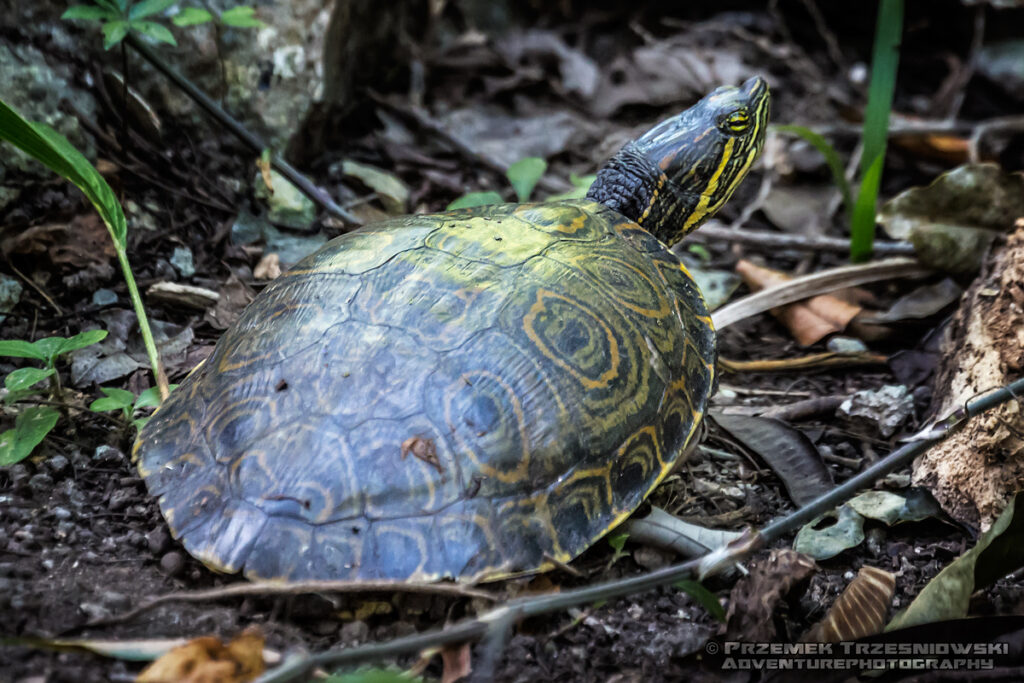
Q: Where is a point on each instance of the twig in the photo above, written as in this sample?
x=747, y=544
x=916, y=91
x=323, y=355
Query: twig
x=39, y=289
x=776, y=240
x=958, y=85
x=296, y=588
x=800, y=410
x=831, y=44
x=473, y=629
x=320, y=197
x=814, y=361
x=1011, y=123
x=423, y=120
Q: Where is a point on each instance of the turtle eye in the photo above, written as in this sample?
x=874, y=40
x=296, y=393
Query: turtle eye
x=736, y=122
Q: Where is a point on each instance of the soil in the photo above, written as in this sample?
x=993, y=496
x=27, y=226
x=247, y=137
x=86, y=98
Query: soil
x=81, y=540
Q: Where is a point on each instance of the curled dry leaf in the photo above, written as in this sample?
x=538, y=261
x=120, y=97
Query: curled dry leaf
x=808, y=321
x=209, y=660
x=268, y=268
x=859, y=612
x=754, y=597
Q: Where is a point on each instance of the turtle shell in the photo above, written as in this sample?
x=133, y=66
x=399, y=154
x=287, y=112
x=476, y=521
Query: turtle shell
x=471, y=394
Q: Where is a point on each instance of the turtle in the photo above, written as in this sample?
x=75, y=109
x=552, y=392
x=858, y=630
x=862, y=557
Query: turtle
x=468, y=395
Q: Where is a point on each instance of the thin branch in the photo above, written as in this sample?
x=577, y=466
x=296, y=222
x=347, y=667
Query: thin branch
x=777, y=240
x=304, y=184
x=296, y=588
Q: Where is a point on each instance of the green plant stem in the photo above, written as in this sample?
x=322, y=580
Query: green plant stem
x=147, y=334
x=304, y=184
x=884, y=60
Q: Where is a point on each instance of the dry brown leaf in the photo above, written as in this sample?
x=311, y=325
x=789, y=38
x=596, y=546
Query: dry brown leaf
x=208, y=660
x=943, y=147
x=234, y=295
x=268, y=268
x=859, y=611
x=754, y=597
x=81, y=243
x=456, y=660
x=808, y=321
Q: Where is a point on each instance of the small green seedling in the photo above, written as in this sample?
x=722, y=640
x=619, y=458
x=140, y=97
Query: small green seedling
x=117, y=19
x=34, y=422
x=236, y=17
x=703, y=596
x=523, y=176
x=127, y=403
x=618, y=544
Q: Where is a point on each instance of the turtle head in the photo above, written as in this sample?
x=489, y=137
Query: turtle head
x=676, y=175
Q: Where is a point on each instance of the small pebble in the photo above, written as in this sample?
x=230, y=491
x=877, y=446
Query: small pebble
x=120, y=499
x=115, y=600
x=108, y=455
x=79, y=460
x=104, y=297
x=94, y=610
x=62, y=514
x=41, y=484
x=172, y=563
x=58, y=464
x=18, y=474
x=325, y=627
x=846, y=345
x=355, y=632
x=158, y=540
x=48, y=564
x=108, y=544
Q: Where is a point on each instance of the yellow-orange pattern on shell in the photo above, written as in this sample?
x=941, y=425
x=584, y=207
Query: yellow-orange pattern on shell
x=472, y=394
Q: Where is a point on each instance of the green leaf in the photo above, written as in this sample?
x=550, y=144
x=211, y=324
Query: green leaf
x=147, y=7
x=122, y=4
x=116, y=7
x=703, y=596
x=89, y=12
x=150, y=398
x=999, y=552
x=832, y=159
x=524, y=175
x=30, y=428
x=49, y=347
x=17, y=348
x=618, y=542
x=114, y=32
x=53, y=150
x=580, y=187
x=241, y=17
x=23, y=378
x=192, y=16
x=472, y=199
x=114, y=399
x=81, y=340
x=155, y=31
x=884, y=60
x=862, y=227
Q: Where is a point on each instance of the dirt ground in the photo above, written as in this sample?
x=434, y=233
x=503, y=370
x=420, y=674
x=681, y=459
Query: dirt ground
x=81, y=539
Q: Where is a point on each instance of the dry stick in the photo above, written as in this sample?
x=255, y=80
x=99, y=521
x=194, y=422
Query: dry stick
x=297, y=588
x=775, y=240
x=423, y=120
x=300, y=181
x=473, y=629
